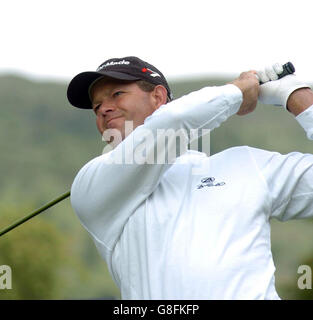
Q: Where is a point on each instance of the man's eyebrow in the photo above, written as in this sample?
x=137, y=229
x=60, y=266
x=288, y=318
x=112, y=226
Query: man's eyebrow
x=118, y=86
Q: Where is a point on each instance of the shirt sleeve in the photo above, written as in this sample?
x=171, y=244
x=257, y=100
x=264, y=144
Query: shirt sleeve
x=289, y=177
x=289, y=182
x=109, y=188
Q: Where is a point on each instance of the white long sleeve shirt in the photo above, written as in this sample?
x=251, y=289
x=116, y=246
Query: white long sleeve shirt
x=196, y=227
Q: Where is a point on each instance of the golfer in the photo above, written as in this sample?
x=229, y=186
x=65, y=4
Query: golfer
x=173, y=223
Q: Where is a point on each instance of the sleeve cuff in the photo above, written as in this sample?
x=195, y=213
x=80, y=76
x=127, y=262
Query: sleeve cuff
x=236, y=97
x=305, y=119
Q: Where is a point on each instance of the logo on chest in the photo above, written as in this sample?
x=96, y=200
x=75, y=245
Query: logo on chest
x=209, y=182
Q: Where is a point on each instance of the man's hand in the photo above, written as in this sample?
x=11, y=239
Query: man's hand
x=248, y=83
x=276, y=91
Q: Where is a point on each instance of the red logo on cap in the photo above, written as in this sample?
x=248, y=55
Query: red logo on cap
x=152, y=73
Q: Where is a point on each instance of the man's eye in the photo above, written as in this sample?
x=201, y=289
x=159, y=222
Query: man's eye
x=117, y=93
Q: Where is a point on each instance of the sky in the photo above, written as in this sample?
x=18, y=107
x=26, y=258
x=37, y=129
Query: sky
x=61, y=38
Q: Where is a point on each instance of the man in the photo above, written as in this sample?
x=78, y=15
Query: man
x=190, y=227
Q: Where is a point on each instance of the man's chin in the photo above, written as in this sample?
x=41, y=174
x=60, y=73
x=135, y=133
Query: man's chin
x=117, y=134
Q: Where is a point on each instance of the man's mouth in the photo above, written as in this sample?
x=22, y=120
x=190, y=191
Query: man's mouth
x=108, y=122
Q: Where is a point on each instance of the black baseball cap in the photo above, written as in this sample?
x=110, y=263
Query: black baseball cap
x=127, y=68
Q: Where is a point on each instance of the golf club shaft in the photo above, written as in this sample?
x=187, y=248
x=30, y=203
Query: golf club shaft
x=34, y=213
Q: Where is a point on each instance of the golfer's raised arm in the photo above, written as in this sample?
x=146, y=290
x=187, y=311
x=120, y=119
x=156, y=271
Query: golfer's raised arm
x=107, y=191
x=289, y=177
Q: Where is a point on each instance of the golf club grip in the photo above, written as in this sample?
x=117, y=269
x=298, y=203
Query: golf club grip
x=288, y=68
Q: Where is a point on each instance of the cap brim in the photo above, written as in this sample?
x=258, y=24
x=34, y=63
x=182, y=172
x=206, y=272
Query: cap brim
x=78, y=89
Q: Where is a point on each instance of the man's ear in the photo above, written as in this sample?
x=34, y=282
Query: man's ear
x=159, y=95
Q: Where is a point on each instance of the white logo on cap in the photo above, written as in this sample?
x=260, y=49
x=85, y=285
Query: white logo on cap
x=113, y=63
x=153, y=73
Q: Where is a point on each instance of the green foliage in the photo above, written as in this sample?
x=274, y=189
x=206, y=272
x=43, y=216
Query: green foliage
x=35, y=253
x=48, y=263
x=44, y=142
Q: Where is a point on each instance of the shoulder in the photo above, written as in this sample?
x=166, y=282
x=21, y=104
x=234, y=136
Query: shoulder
x=242, y=155
x=239, y=151
x=87, y=173
x=229, y=154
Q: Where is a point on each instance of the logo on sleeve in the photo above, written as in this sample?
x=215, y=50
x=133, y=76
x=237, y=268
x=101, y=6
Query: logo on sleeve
x=209, y=182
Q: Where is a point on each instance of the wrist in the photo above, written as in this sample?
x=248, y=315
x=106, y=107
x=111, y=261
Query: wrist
x=299, y=100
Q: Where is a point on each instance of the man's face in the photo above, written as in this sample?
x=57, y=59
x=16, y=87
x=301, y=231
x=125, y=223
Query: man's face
x=116, y=102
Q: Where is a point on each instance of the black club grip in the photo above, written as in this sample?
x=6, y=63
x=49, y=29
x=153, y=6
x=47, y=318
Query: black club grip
x=288, y=68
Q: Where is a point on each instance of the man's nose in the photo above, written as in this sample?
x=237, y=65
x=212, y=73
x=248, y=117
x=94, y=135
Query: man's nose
x=106, y=108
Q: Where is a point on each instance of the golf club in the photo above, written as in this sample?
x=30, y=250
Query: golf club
x=34, y=213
